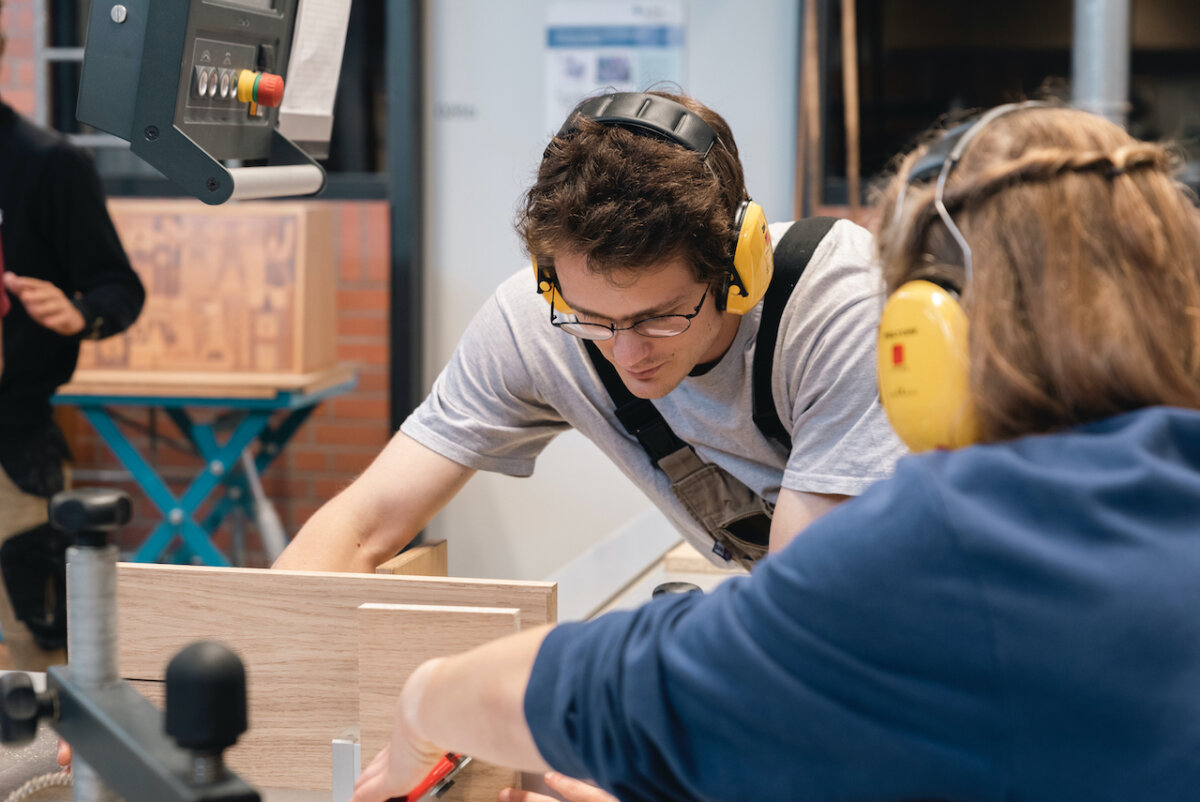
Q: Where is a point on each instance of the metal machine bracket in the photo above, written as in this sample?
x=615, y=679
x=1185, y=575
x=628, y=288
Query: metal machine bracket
x=171, y=79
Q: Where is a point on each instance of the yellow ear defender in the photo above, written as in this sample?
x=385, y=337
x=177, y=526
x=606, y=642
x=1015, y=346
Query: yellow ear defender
x=923, y=367
x=545, y=285
x=753, y=260
x=753, y=257
x=922, y=347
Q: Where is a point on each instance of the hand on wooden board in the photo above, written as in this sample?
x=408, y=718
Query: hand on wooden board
x=398, y=767
x=568, y=788
x=46, y=304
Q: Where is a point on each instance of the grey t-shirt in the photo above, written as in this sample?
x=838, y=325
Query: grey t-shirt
x=515, y=382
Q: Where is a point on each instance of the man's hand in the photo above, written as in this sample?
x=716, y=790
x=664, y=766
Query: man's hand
x=45, y=303
x=569, y=789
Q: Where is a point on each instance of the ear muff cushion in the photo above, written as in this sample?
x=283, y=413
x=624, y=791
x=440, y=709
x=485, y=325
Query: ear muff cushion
x=923, y=369
x=753, y=260
x=545, y=283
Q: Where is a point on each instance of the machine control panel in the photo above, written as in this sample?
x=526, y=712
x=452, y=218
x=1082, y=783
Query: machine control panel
x=195, y=86
x=215, y=69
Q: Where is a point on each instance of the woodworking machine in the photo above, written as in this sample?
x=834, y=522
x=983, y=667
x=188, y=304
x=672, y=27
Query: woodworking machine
x=116, y=735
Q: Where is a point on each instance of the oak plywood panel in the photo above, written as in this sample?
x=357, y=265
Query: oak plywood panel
x=396, y=638
x=296, y=633
x=428, y=559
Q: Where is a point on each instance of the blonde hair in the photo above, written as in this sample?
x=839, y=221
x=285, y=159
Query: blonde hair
x=1085, y=295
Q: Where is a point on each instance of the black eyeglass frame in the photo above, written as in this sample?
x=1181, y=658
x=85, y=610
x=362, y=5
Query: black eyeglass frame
x=607, y=331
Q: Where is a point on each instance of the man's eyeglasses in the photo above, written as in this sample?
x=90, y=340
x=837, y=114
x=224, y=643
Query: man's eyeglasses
x=657, y=326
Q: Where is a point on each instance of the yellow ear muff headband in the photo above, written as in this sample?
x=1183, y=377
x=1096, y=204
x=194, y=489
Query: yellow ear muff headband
x=922, y=345
x=753, y=259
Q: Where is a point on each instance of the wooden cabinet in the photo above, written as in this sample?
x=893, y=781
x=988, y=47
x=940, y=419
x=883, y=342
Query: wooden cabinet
x=236, y=295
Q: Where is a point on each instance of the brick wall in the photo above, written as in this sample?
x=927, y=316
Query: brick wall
x=340, y=438
x=16, y=69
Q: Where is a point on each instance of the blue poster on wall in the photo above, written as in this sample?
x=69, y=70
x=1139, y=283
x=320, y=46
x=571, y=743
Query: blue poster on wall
x=600, y=45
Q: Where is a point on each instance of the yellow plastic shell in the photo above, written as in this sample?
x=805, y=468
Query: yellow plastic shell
x=753, y=259
x=923, y=370
x=544, y=286
x=245, y=85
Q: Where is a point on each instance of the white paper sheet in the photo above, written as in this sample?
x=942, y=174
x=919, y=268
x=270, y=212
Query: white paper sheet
x=313, y=69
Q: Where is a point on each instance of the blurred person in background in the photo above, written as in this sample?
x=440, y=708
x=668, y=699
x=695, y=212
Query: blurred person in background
x=66, y=279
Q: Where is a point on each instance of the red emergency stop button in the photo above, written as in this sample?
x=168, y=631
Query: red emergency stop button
x=269, y=92
x=263, y=88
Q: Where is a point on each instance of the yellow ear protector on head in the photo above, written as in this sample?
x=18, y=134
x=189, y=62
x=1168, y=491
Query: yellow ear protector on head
x=546, y=284
x=922, y=347
x=923, y=367
x=753, y=258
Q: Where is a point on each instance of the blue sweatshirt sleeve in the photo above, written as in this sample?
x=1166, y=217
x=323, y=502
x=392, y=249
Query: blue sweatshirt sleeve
x=858, y=663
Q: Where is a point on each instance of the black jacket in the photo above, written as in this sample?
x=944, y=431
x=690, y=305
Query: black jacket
x=54, y=226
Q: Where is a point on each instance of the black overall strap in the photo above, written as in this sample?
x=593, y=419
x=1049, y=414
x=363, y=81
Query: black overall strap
x=792, y=253
x=638, y=415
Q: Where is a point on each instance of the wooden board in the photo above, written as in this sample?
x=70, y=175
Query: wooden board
x=296, y=633
x=396, y=638
x=245, y=288
x=428, y=559
x=684, y=559
x=171, y=384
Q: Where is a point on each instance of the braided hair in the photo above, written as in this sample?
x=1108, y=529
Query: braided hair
x=1085, y=298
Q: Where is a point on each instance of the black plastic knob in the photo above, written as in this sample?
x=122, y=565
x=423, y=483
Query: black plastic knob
x=670, y=588
x=21, y=707
x=89, y=512
x=206, y=697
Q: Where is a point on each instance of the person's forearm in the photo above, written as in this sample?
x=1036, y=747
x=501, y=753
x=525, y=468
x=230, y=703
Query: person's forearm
x=336, y=539
x=474, y=703
x=379, y=513
x=795, y=511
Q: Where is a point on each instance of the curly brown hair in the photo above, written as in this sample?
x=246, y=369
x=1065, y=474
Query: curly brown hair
x=627, y=200
x=1085, y=296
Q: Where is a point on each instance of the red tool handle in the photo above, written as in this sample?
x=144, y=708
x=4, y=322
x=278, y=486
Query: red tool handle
x=449, y=762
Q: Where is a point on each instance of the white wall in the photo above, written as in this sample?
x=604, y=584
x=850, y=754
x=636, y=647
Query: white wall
x=486, y=86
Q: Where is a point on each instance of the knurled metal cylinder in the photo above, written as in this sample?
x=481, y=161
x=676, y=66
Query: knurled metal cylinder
x=207, y=769
x=92, y=615
x=91, y=642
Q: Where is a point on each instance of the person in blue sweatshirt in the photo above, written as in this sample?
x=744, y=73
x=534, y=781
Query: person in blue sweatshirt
x=1014, y=615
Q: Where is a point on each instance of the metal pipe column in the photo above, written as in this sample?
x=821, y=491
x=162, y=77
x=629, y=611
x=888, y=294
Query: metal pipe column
x=1100, y=58
x=92, y=641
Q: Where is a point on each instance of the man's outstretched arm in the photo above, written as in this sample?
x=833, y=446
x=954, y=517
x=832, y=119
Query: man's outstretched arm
x=379, y=513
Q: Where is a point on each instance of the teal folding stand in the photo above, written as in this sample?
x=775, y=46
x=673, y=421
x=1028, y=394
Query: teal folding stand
x=220, y=473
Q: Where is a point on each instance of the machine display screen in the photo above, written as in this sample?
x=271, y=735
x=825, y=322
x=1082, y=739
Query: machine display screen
x=258, y=5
